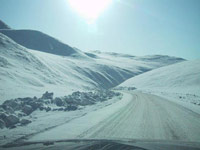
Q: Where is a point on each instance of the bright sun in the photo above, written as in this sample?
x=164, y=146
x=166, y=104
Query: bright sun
x=89, y=9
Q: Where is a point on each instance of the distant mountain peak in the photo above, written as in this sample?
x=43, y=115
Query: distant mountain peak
x=3, y=25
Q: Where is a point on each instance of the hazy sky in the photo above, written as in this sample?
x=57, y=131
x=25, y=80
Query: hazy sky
x=137, y=27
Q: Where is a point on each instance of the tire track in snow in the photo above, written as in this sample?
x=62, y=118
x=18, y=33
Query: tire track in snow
x=149, y=117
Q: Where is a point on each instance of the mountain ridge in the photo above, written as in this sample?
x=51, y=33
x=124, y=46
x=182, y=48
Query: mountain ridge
x=28, y=72
x=37, y=40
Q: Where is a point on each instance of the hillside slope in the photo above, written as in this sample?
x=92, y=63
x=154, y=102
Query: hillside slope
x=39, y=41
x=25, y=72
x=183, y=77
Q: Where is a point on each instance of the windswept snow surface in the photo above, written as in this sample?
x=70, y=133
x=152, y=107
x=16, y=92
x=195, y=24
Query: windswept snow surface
x=183, y=77
x=25, y=72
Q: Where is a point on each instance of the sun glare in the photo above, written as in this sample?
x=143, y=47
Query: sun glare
x=89, y=9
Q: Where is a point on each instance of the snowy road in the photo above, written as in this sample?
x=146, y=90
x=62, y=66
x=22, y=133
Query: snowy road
x=146, y=116
x=149, y=117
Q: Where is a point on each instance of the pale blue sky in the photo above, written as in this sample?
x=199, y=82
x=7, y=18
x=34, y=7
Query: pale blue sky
x=137, y=27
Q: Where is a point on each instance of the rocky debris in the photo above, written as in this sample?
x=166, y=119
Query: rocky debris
x=89, y=98
x=25, y=100
x=47, y=109
x=2, y=124
x=59, y=101
x=11, y=111
x=71, y=108
x=11, y=120
x=25, y=121
x=7, y=109
x=3, y=116
x=42, y=108
x=125, y=88
x=131, y=88
x=1, y=109
x=21, y=114
x=13, y=104
x=47, y=95
x=71, y=102
x=60, y=109
x=35, y=105
x=27, y=109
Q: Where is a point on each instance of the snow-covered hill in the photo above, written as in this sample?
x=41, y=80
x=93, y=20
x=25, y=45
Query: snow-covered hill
x=183, y=77
x=25, y=72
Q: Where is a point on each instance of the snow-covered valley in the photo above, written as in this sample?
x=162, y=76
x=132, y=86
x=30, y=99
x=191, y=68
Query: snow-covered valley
x=96, y=95
x=28, y=73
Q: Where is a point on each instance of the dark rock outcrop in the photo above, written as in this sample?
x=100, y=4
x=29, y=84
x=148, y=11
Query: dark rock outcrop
x=59, y=101
x=25, y=121
x=11, y=120
x=47, y=95
x=27, y=109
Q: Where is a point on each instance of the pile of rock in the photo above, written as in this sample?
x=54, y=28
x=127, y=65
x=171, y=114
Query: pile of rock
x=125, y=88
x=89, y=98
x=10, y=120
x=12, y=112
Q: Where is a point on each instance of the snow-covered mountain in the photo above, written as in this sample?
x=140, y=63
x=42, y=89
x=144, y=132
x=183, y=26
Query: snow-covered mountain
x=26, y=72
x=183, y=77
x=56, y=67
